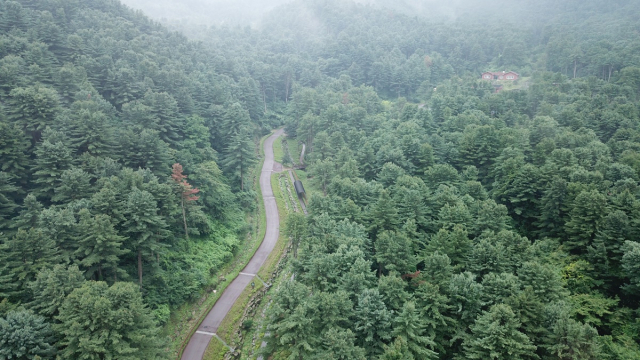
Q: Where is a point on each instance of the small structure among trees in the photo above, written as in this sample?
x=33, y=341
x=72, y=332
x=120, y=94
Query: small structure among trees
x=299, y=189
x=503, y=75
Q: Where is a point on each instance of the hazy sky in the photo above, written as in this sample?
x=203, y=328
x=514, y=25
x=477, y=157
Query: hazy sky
x=207, y=11
x=249, y=12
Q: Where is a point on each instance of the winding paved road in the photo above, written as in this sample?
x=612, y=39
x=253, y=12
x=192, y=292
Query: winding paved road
x=199, y=341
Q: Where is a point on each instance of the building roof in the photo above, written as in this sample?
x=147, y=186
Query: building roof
x=299, y=188
x=500, y=72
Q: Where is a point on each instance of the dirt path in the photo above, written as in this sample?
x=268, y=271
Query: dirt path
x=199, y=341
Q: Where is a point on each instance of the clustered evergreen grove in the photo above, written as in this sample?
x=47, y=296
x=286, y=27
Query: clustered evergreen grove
x=121, y=187
x=458, y=223
x=475, y=225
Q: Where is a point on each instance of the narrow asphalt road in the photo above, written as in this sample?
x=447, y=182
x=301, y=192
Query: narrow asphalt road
x=200, y=339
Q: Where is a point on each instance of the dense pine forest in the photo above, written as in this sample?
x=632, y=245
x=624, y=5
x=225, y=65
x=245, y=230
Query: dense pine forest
x=121, y=184
x=450, y=217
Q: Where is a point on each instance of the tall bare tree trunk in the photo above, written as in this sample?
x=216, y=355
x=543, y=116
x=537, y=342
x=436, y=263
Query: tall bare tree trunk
x=184, y=219
x=241, y=179
x=140, y=267
x=264, y=97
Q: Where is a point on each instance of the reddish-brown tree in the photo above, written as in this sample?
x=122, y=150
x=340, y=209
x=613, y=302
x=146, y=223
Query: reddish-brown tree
x=187, y=192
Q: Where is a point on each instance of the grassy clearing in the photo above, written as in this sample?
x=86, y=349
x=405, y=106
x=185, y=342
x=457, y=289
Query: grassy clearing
x=520, y=84
x=296, y=148
x=312, y=188
x=231, y=322
x=216, y=350
x=253, y=337
x=278, y=153
x=185, y=320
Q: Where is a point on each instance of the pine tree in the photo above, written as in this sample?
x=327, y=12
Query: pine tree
x=22, y=257
x=394, y=252
x=497, y=288
x=74, y=184
x=496, y=336
x=52, y=159
x=409, y=325
x=392, y=289
x=454, y=243
x=487, y=256
x=322, y=170
x=215, y=192
x=586, y=215
x=99, y=245
x=398, y=350
x=571, y=340
x=239, y=155
x=373, y=321
x=8, y=206
x=144, y=150
x=433, y=308
x=437, y=269
x=383, y=214
x=168, y=121
x=29, y=214
x=465, y=299
x=631, y=266
x=295, y=229
x=13, y=148
x=338, y=344
x=144, y=227
x=24, y=335
x=102, y=322
x=33, y=109
x=90, y=130
x=235, y=122
x=544, y=279
x=51, y=287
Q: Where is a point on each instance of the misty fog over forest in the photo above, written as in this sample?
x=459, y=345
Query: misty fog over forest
x=250, y=12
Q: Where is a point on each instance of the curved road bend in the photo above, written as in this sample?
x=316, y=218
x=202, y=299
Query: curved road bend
x=200, y=339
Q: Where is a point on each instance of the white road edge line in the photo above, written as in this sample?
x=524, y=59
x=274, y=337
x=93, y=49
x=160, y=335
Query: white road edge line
x=247, y=274
x=205, y=333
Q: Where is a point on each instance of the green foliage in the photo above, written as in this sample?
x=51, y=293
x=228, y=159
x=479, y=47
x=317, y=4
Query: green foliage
x=33, y=109
x=394, y=252
x=496, y=336
x=572, y=340
x=409, y=326
x=7, y=203
x=101, y=321
x=373, y=324
x=239, y=155
x=51, y=287
x=23, y=256
x=586, y=214
x=99, y=246
x=24, y=335
x=465, y=200
x=295, y=228
x=52, y=159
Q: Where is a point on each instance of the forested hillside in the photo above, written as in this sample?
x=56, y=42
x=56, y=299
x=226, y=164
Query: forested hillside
x=119, y=171
x=461, y=223
x=304, y=42
x=446, y=220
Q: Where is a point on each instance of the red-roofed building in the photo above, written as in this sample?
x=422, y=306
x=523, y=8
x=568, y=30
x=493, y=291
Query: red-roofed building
x=504, y=75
